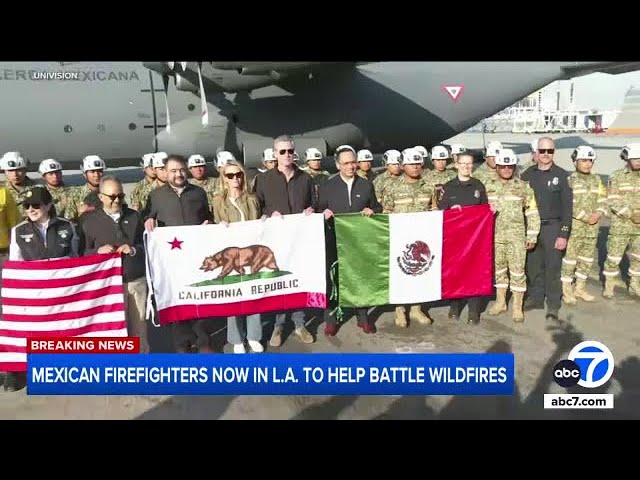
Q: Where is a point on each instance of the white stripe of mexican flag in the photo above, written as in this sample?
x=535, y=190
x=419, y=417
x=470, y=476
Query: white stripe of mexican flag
x=415, y=257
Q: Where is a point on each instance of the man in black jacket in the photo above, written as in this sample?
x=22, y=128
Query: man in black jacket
x=464, y=190
x=177, y=203
x=116, y=228
x=345, y=193
x=555, y=203
x=286, y=190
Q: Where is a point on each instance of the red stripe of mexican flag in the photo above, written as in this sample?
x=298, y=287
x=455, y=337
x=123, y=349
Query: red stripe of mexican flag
x=414, y=257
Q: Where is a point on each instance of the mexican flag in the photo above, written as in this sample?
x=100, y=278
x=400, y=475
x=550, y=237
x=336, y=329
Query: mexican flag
x=248, y=267
x=410, y=258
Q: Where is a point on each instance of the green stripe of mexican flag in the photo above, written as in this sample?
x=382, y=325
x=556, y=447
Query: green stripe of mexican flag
x=410, y=258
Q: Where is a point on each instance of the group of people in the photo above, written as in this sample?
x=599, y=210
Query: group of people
x=545, y=231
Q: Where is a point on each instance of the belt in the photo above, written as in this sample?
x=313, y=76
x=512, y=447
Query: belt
x=549, y=220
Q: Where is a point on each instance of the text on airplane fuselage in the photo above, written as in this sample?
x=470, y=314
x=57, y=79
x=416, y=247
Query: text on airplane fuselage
x=75, y=75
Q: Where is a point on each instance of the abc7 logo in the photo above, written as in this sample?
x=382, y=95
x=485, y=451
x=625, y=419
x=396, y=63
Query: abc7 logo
x=589, y=364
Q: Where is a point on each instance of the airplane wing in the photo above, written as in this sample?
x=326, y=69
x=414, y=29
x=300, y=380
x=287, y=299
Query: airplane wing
x=579, y=69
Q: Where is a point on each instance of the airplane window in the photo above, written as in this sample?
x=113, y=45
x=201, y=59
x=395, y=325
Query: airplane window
x=191, y=107
x=132, y=126
x=67, y=128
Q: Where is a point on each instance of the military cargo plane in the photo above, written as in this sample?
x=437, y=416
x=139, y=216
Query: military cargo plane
x=121, y=111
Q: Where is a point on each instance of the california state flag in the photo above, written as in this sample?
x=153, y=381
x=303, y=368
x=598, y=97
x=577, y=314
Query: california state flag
x=248, y=267
x=410, y=258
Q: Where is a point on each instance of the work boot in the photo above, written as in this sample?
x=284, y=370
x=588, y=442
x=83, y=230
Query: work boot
x=401, y=317
x=634, y=286
x=567, y=294
x=516, y=307
x=304, y=335
x=454, y=310
x=417, y=315
x=500, y=304
x=276, y=337
x=610, y=283
x=581, y=291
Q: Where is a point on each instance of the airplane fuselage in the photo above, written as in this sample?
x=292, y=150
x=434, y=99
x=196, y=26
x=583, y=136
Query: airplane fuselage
x=117, y=110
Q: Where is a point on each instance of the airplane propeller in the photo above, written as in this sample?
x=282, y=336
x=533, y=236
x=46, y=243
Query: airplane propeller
x=165, y=81
x=203, y=98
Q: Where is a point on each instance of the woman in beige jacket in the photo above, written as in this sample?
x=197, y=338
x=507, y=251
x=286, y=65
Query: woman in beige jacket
x=236, y=204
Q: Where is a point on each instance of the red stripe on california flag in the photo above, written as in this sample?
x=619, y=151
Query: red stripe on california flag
x=88, y=312
x=467, y=252
x=59, y=263
x=62, y=282
x=50, y=302
x=279, y=303
x=69, y=332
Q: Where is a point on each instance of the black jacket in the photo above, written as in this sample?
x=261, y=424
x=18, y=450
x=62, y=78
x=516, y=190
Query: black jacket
x=470, y=192
x=27, y=242
x=553, y=195
x=99, y=229
x=334, y=195
x=275, y=194
x=170, y=210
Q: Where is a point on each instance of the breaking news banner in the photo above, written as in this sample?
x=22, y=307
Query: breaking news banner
x=81, y=367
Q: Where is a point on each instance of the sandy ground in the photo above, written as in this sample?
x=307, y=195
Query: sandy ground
x=537, y=344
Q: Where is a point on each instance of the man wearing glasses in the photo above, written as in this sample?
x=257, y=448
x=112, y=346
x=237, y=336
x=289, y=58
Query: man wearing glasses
x=116, y=228
x=555, y=203
x=286, y=190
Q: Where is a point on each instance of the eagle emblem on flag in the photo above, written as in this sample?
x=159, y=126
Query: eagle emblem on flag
x=416, y=259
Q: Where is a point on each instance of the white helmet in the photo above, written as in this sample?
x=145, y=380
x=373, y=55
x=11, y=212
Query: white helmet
x=439, y=152
x=423, y=151
x=506, y=156
x=224, y=157
x=631, y=152
x=365, y=156
x=296, y=157
x=493, y=148
x=411, y=156
x=158, y=159
x=268, y=155
x=92, y=162
x=312, y=154
x=49, y=165
x=457, y=149
x=13, y=161
x=392, y=157
x=196, y=160
x=583, y=152
x=147, y=158
x=534, y=145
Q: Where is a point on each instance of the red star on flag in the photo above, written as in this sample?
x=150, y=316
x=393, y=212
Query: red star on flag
x=175, y=243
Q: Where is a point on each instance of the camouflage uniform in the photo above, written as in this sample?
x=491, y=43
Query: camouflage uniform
x=623, y=199
x=81, y=199
x=61, y=199
x=589, y=196
x=319, y=177
x=484, y=173
x=370, y=175
x=210, y=186
x=400, y=196
x=139, y=194
x=17, y=193
x=517, y=223
x=437, y=180
x=381, y=182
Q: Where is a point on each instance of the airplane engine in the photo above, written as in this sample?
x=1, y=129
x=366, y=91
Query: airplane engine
x=185, y=85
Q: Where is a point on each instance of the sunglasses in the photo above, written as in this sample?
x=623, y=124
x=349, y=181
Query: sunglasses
x=231, y=176
x=35, y=206
x=290, y=151
x=547, y=150
x=120, y=196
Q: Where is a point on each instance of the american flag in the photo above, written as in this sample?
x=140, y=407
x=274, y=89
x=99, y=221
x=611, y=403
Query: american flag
x=72, y=297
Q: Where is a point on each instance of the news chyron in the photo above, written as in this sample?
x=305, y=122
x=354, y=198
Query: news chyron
x=588, y=366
